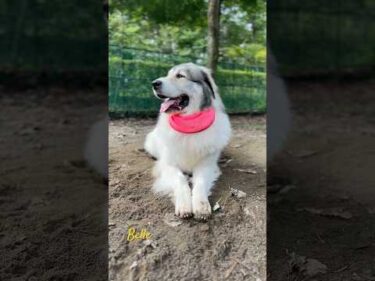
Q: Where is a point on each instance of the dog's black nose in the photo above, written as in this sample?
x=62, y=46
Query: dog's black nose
x=156, y=84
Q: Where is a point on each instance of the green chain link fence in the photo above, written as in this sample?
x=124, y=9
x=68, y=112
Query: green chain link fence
x=242, y=87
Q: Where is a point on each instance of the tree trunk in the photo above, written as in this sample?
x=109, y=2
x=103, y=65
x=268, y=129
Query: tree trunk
x=213, y=33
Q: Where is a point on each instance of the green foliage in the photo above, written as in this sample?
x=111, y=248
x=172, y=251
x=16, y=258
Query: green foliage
x=148, y=37
x=246, y=53
x=243, y=22
x=126, y=29
x=180, y=12
x=180, y=27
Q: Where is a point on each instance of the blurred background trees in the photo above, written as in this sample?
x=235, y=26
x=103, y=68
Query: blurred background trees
x=181, y=27
x=38, y=35
x=147, y=37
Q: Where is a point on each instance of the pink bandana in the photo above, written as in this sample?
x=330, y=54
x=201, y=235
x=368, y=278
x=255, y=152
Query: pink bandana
x=193, y=123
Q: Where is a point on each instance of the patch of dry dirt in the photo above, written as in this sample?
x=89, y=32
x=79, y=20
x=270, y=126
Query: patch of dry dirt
x=328, y=164
x=230, y=246
x=47, y=232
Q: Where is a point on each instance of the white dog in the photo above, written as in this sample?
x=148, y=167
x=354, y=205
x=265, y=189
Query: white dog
x=190, y=134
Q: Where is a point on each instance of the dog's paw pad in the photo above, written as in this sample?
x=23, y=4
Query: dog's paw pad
x=202, y=217
x=183, y=211
x=186, y=215
x=183, y=215
x=201, y=209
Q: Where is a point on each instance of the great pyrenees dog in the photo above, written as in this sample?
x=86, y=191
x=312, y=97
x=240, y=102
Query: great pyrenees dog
x=191, y=132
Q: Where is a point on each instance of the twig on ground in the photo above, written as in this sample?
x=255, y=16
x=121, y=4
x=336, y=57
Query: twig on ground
x=341, y=269
x=244, y=265
x=229, y=271
x=247, y=171
x=320, y=238
x=138, y=175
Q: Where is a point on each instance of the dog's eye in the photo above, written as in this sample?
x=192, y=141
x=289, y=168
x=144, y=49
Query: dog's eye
x=179, y=75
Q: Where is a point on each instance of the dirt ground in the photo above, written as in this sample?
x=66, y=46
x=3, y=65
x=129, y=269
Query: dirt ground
x=322, y=186
x=230, y=246
x=320, y=206
x=47, y=231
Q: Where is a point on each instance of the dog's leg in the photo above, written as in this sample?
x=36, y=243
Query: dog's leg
x=204, y=176
x=170, y=180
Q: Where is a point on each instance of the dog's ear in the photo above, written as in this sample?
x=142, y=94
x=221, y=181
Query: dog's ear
x=208, y=82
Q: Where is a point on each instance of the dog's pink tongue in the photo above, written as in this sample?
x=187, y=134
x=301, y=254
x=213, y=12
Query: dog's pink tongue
x=166, y=104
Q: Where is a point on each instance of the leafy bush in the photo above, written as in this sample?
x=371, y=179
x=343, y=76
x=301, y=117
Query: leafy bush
x=246, y=53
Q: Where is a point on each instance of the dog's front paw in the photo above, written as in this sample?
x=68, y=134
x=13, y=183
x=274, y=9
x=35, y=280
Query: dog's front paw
x=183, y=208
x=201, y=208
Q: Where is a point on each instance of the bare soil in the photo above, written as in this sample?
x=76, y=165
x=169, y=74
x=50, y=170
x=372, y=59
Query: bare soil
x=53, y=208
x=326, y=211
x=230, y=246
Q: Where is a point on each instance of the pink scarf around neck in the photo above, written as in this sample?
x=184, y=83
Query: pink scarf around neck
x=193, y=123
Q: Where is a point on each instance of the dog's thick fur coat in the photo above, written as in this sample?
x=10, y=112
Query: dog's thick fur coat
x=197, y=154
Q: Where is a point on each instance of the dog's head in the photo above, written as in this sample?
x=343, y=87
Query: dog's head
x=187, y=88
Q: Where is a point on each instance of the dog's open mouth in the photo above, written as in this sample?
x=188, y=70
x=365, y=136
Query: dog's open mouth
x=174, y=104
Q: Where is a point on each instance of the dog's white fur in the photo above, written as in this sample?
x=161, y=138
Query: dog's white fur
x=96, y=148
x=197, y=154
x=279, y=118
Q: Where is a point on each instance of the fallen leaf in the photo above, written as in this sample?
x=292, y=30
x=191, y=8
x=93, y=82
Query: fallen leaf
x=356, y=277
x=305, y=153
x=247, y=211
x=236, y=146
x=306, y=266
x=315, y=267
x=28, y=131
x=216, y=207
x=248, y=171
x=274, y=188
x=229, y=271
x=287, y=188
x=238, y=193
x=134, y=265
x=225, y=161
x=330, y=212
x=149, y=243
x=171, y=220
x=341, y=269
